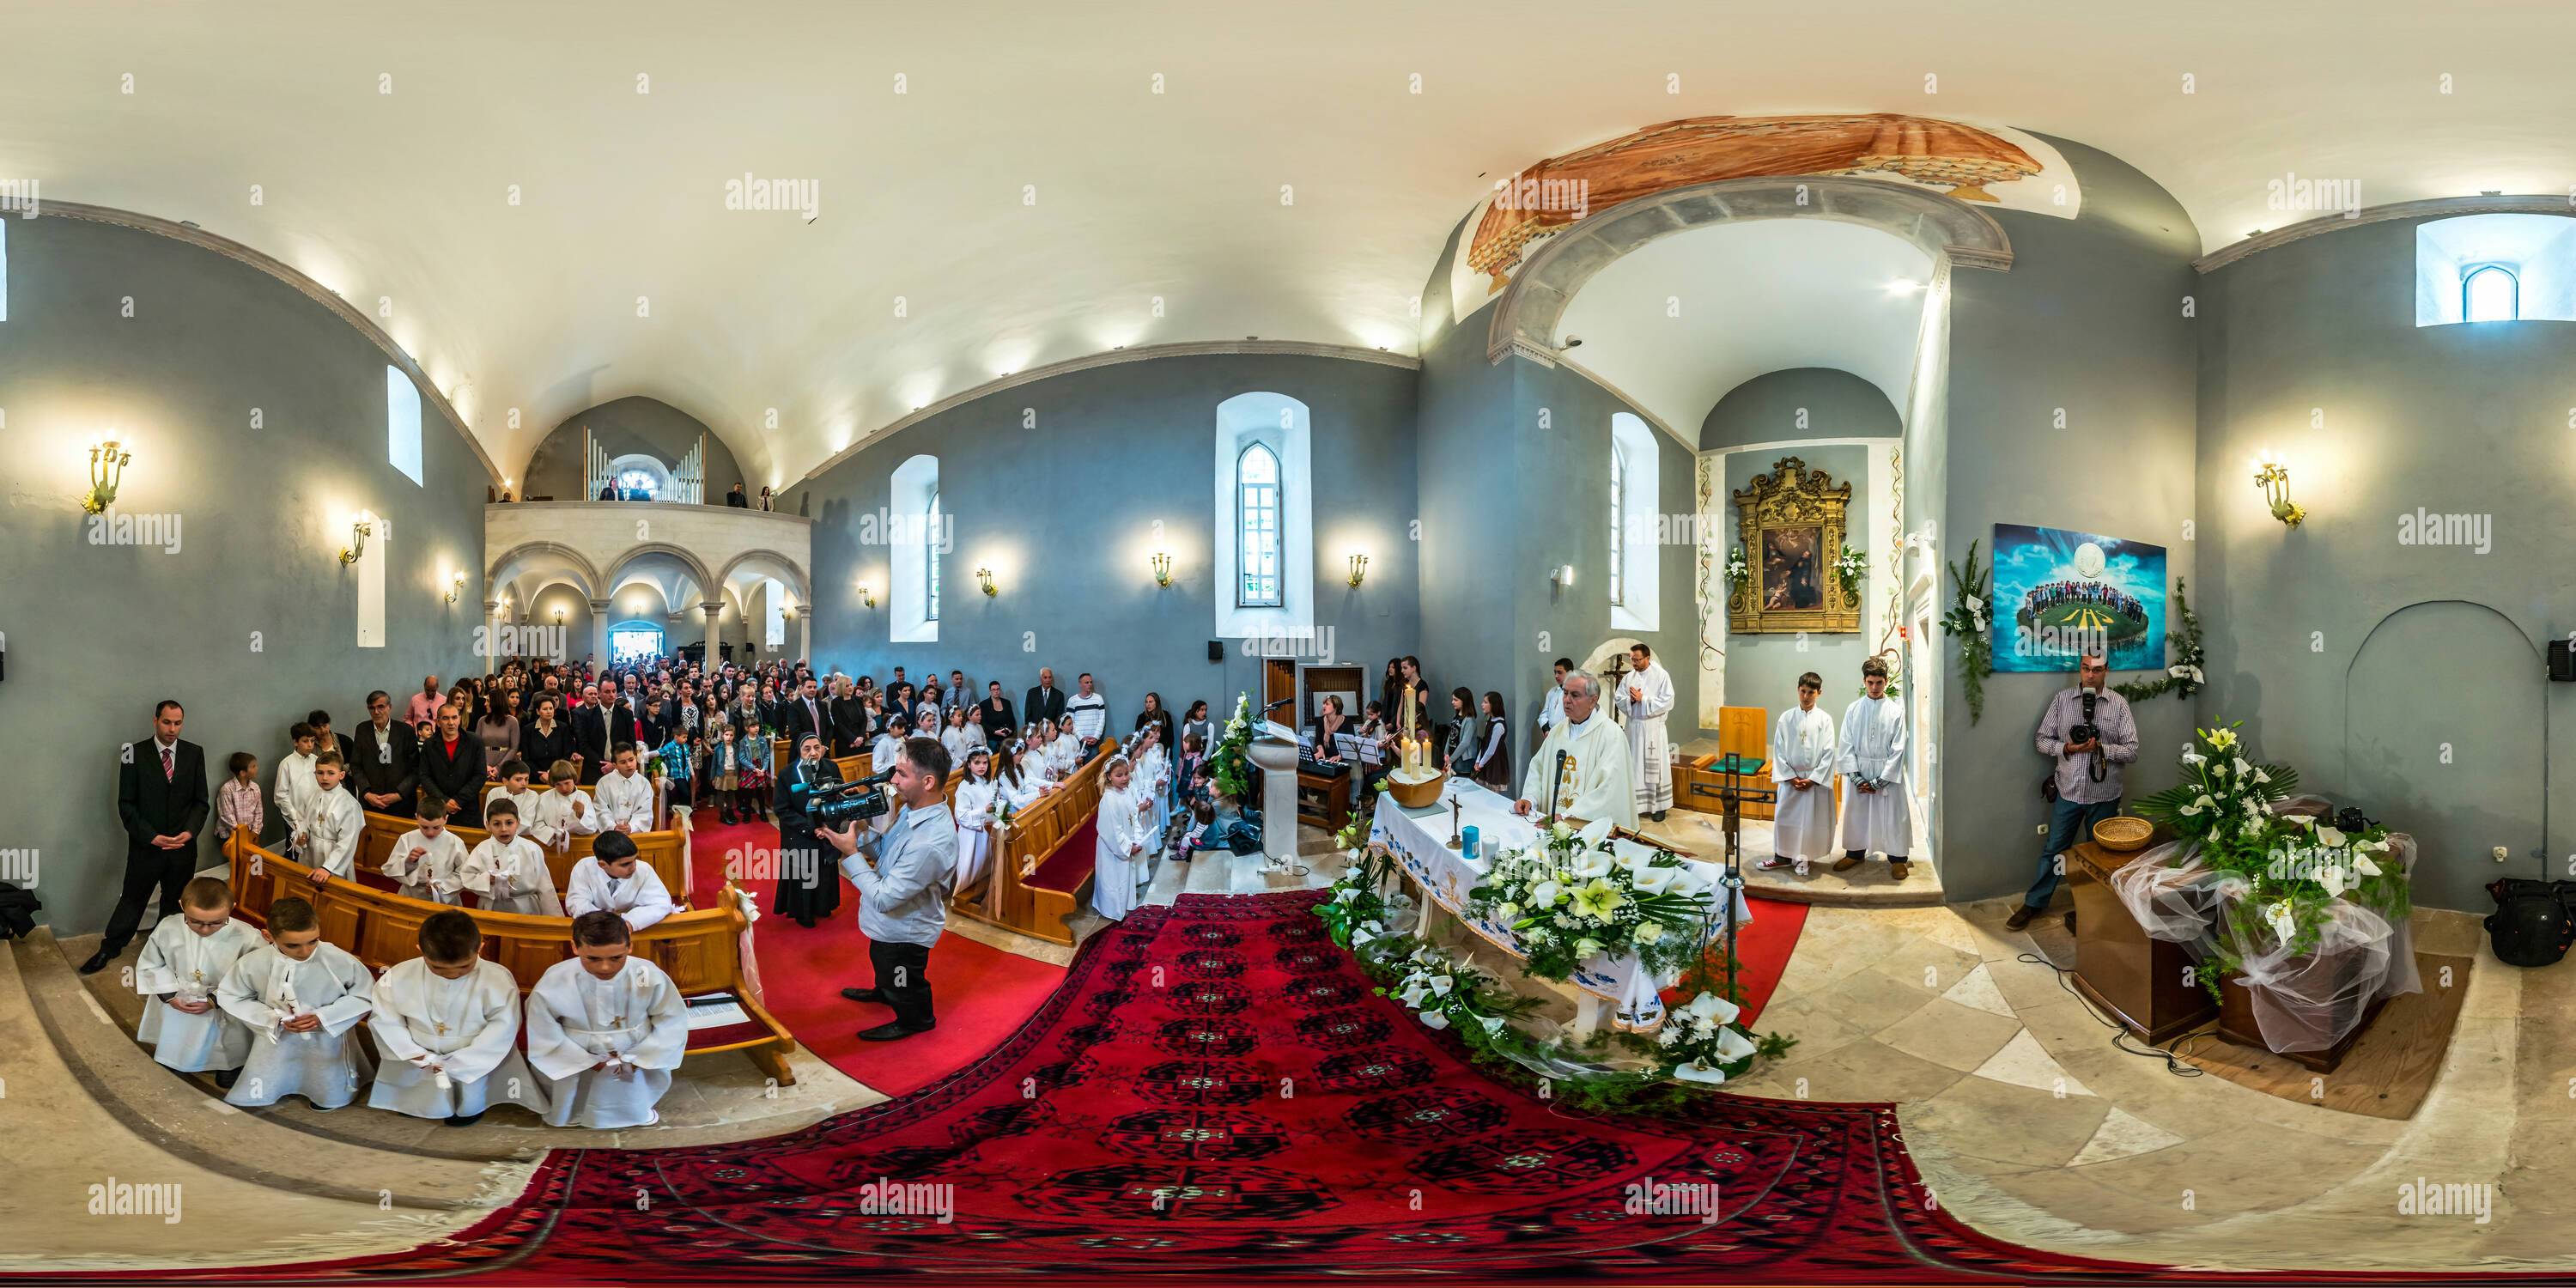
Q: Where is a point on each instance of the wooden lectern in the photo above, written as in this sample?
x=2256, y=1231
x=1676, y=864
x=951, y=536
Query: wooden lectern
x=2148, y=984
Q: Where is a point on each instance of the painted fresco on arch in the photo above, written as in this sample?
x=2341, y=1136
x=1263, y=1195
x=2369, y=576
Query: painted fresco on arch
x=1981, y=163
x=2059, y=594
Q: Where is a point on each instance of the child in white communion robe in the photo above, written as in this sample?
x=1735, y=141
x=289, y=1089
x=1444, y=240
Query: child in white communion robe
x=183, y=962
x=446, y=1022
x=606, y=1029
x=507, y=872
x=428, y=862
x=613, y=879
x=302, y=1000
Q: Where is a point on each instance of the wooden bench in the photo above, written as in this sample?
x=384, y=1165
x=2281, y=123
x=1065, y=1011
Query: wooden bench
x=1044, y=869
x=781, y=756
x=665, y=852
x=704, y=951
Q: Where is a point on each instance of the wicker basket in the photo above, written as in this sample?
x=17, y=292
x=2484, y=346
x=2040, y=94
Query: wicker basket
x=2122, y=834
x=1417, y=795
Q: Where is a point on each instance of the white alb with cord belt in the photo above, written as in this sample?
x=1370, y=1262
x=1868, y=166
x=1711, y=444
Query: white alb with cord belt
x=448, y=1043
x=606, y=1046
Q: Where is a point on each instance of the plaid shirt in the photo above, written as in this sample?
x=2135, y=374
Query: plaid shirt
x=2119, y=745
x=237, y=804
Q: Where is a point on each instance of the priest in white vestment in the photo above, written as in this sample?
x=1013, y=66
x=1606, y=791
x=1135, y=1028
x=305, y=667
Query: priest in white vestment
x=1873, y=768
x=1802, y=752
x=446, y=1022
x=1645, y=698
x=1594, y=783
x=184, y=961
x=302, y=1000
x=605, y=1029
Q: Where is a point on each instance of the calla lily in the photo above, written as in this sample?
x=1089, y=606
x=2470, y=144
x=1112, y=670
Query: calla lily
x=2193, y=758
x=2241, y=767
x=1595, y=832
x=1434, y=1020
x=1709, y=1006
x=2328, y=836
x=1440, y=985
x=1492, y=1023
x=1545, y=895
x=2364, y=866
x=2282, y=924
x=2332, y=879
x=1695, y=1071
x=1732, y=1045
x=1655, y=880
x=1593, y=865
x=2262, y=777
x=1411, y=996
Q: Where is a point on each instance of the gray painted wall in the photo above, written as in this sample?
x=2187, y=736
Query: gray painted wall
x=1064, y=513
x=2089, y=320
x=2311, y=350
x=1767, y=409
x=253, y=621
x=626, y=426
x=1762, y=670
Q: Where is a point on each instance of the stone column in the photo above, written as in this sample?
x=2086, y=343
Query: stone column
x=805, y=633
x=492, y=627
x=599, y=632
x=713, y=607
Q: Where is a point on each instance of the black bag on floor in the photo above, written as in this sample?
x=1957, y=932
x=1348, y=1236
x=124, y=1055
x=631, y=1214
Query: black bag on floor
x=2531, y=925
x=17, y=912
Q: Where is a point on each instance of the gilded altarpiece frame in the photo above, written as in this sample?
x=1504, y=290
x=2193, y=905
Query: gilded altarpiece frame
x=1791, y=523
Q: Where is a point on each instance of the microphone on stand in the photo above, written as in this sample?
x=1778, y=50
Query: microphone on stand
x=1555, y=783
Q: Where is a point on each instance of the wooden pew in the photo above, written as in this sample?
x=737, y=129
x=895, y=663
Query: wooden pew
x=703, y=951
x=1044, y=868
x=666, y=853
x=781, y=756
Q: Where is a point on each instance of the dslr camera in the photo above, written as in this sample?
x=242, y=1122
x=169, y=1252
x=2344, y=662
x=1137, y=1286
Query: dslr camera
x=851, y=802
x=2086, y=731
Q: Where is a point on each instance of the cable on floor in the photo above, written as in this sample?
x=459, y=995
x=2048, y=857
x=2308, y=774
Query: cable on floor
x=2174, y=1063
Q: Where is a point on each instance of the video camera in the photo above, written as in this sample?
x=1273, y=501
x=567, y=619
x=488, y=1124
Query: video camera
x=850, y=802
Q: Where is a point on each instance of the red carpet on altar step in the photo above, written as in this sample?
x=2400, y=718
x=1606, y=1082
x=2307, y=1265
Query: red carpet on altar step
x=1762, y=950
x=1217, y=1092
x=983, y=994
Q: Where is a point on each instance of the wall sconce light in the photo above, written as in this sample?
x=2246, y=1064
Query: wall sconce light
x=357, y=546
x=788, y=610
x=985, y=575
x=1359, y=569
x=106, y=469
x=867, y=597
x=1563, y=577
x=559, y=616
x=1162, y=568
x=455, y=587
x=2274, y=479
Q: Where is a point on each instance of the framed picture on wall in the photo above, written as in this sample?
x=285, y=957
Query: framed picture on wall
x=1791, y=522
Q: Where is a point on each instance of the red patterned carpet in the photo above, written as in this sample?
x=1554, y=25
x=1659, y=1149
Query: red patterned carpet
x=1217, y=1092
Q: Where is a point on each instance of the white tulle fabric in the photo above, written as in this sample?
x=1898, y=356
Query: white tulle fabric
x=2302, y=1001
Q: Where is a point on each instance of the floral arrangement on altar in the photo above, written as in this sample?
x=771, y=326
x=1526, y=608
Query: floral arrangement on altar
x=2184, y=675
x=1738, y=571
x=1851, y=565
x=1576, y=897
x=2278, y=873
x=1969, y=621
x=1229, y=766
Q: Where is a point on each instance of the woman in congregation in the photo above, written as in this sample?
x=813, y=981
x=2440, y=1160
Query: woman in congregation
x=809, y=889
x=1154, y=714
x=498, y=730
x=546, y=737
x=976, y=807
x=1493, y=768
x=1327, y=727
x=1196, y=721
x=1121, y=864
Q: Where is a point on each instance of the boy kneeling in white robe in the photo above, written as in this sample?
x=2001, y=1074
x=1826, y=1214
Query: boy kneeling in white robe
x=445, y=1022
x=302, y=1000
x=562, y=812
x=183, y=963
x=428, y=862
x=612, y=879
x=606, y=1029
x=507, y=872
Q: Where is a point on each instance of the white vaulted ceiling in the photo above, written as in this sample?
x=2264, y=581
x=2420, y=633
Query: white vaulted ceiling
x=1140, y=196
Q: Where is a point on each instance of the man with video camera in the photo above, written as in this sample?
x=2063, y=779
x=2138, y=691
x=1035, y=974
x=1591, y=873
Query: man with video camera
x=2089, y=732
x=903, y=898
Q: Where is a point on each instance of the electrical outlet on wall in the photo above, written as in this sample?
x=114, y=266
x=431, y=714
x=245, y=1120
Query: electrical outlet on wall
x=2499, y=853
x=2043, y=829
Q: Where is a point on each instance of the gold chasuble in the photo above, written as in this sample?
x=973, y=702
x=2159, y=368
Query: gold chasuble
x=1595, y=782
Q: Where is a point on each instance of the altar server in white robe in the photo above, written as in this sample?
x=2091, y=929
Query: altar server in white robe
x=563, y=811
x=184, y=961
x=514, y=788
x=1802, y=777
x=978, y=799
x=1120, y=863
x=625, y=795
x=302, y=1000
x=508, y=872
x=1873, y=769
x=1645, y=698
x=332, y=824
x=428, y=862
x=296, y=789
x=446, y=1022
x=612, y=879
x=1594, y=785
x=605, y=1029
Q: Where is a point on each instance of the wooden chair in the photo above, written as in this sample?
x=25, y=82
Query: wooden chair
x=704, y=951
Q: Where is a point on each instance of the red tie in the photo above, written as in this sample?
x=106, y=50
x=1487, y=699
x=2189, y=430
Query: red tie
x=168, y=770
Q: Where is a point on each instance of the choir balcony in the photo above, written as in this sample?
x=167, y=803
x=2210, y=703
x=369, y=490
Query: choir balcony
x=701, y=572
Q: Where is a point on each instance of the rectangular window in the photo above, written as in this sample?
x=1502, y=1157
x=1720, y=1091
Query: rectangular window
x=930, y=556
x=1257, y=538
x=4, y=270
x=402, y=423
x=1618, y=527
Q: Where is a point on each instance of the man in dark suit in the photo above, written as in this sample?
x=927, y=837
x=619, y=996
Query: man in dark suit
x=995, y=717
x=736, y=499
x=162, y=799
x=1045, y=702
x=590, y=733
x=805, y=715
x=451, y=765
x=383, y=757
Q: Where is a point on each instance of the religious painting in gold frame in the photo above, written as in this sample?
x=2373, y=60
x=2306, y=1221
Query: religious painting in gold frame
x=1791, y=525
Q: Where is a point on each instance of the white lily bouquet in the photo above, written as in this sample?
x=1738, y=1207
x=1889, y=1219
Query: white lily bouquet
x=1702, y=1040
x=1577, y=895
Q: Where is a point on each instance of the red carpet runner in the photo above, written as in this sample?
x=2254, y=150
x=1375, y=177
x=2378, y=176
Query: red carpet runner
x=1216, y=1092
x=1762, y=951
x=983, y=994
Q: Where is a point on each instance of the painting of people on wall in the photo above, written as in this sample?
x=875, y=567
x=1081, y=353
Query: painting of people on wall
x=2072, y=593
x=1790, y=576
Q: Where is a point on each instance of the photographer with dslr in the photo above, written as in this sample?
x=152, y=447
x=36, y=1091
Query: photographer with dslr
x=807, y=890
x=2088, y=730
x=903, y=895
